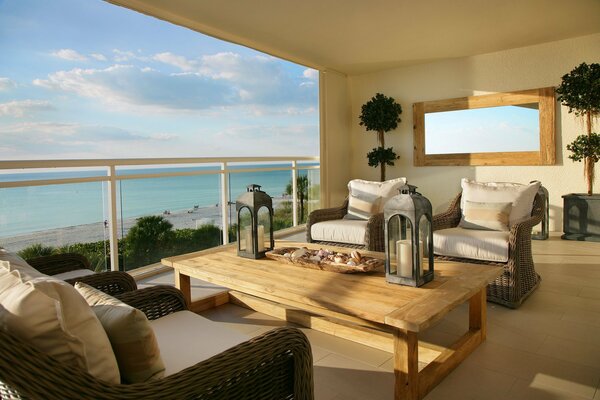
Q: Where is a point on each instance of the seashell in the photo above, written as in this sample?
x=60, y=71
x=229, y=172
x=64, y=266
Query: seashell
x=288, y=255
x=322, y=253
x=355, y=255
x=316, y=259
x=299, y=253
x=338, y=259
x=351, y=263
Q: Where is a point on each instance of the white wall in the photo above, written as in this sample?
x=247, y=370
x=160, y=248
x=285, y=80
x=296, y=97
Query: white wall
x=516, y=69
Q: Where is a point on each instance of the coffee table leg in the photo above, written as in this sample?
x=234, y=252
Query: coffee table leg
x=182, y=282
x=406, y=365
x=478, y=313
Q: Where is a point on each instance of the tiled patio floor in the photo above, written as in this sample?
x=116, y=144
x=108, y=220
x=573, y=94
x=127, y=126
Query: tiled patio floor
x=547, y=349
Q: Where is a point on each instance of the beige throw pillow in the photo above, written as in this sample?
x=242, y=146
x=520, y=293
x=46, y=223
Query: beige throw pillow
x=385, y=190
x=363, y=206
x=520, y=196
x=49, y=314
x=488, y=216
x=131, y=336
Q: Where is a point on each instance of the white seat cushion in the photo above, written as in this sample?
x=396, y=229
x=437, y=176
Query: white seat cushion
x=340, y=230
x=471, y=243
x=78, y=273
x=185, y=339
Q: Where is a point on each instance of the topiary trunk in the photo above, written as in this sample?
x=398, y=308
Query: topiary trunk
x=589, y=161
x=382, y=145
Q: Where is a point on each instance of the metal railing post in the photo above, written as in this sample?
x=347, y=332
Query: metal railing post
x=112, y=218
x=294, y=193
x=225, y=201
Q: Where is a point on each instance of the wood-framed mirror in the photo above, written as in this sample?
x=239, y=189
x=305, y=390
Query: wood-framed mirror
x=513, y=128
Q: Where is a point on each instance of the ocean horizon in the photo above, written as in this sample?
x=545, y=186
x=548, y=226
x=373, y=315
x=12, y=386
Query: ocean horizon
x=25, y=210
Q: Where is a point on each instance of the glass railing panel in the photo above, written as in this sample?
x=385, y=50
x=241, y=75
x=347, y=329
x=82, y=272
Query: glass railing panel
x=162, y=217
x=51, y=219
x=312, y=193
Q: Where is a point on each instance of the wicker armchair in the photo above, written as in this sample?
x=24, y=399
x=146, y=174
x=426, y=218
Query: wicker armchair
x=374, y=238
x=111, y=282
x=276, y=365
x=519, y=279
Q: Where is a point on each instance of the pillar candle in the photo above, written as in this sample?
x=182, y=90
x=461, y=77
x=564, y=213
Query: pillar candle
x=261, y=238
x=404, y=258
x=248, y=235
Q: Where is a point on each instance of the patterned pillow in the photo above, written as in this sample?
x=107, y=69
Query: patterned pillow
x=130, y=335
x=363, y=206
x=487, y=216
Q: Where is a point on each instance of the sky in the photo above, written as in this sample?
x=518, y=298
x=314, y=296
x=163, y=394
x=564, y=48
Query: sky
x=482, y=130
x=88, y=79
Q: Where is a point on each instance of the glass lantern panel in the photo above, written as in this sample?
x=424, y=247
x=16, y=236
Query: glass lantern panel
x=400, y=239
x=245, y=226
x=424, y=237
x=264, y=229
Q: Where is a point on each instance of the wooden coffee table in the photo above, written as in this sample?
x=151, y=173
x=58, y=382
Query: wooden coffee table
x=360, y=307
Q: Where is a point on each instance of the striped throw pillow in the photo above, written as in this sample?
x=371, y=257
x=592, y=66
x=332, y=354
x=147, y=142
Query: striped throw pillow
x=487, y=216
x=130, y=334
x=363, y=206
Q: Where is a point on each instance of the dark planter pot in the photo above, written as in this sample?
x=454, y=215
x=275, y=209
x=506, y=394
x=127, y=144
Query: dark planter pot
x=581, y=217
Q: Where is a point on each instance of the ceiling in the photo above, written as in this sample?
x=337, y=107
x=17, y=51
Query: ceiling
x=362, y=36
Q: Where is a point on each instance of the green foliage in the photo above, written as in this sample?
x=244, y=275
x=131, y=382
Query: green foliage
x=380, y=155
x=282, y=217
x=36, y=250
x=380, y=114
x=580, y=89
x=585, y=146
x=148, y=240
x=98, y=253
x=302, y=187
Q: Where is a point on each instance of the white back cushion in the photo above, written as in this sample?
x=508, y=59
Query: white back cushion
x=385, y=190
x=521, y=196
x=50, y=315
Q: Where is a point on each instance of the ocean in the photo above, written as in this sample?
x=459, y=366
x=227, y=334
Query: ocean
x=38, y=208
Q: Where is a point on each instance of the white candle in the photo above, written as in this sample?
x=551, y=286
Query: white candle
x=422, y=255
x=261, y=238
x=404, y=258
x=248, y=234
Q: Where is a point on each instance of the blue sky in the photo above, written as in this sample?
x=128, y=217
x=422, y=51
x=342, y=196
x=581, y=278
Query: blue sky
x=482, y=130
x=87, y=79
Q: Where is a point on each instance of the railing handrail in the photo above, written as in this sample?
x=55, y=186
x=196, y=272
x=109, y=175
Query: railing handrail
x=108, y=162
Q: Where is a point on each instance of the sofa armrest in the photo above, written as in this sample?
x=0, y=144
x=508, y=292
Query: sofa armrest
x=520, y=233
x=375, y=235
x=325, y=214
x=450, y=218
x=110, y=282
x=59, y=263
x=155, y=301
x=276, y=365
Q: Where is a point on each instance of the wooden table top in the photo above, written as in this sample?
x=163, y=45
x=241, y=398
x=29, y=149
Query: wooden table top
x=365, y=296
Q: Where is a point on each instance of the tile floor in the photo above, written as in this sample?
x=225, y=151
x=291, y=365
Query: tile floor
x=547, y=349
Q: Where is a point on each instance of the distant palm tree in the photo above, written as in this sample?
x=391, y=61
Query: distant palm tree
x=302, y=184
x=148, y=240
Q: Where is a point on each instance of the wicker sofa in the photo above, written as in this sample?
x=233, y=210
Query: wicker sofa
x=72, y=267
x=519, y=279
x=276, y=365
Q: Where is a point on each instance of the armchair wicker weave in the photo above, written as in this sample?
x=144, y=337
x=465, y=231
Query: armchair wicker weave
x=519, y=279
x=111, y=282
x=276, y=365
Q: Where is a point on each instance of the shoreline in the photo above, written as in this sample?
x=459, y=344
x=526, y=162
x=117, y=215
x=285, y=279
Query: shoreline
x=94, y=232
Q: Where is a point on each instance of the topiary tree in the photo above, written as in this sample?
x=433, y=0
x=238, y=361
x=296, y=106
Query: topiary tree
x=381, y=114
x=302, y=186
x=580, y=92
x=148, y=240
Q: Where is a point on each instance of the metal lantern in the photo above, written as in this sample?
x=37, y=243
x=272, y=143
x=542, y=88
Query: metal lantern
x=541, y=231
x=408, y=238
x=255, y=223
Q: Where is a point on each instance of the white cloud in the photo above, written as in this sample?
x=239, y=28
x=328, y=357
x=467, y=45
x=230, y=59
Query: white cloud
x=69, y=55
x=98, y=56
x=177, y=61
x=311, y=74
x=7, y=84
x=20, y=108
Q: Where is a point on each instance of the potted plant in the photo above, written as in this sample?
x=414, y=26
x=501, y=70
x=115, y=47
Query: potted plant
x=579, y=91
x=381, y=114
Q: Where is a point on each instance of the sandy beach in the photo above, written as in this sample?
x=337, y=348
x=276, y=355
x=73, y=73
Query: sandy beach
x=191, y=218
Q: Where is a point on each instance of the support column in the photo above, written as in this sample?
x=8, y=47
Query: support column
x=225, y=202
x=112, y=219
x=406, y=365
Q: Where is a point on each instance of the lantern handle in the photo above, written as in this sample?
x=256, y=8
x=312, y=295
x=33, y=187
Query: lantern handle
x=409, y=189
x=253, y=188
